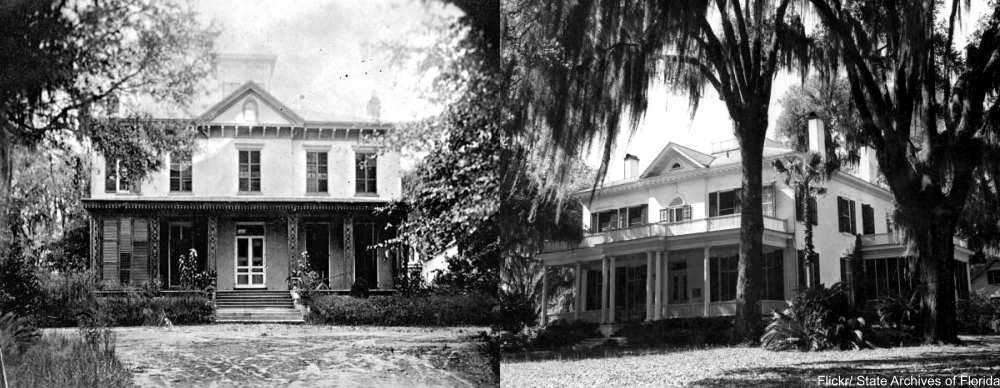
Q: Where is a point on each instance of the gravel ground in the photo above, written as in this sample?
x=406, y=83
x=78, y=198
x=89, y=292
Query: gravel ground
x=272, y=355
x=755, y=367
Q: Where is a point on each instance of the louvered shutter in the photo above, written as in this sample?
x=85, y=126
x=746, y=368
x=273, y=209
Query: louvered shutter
x=109, y=251
x=125, y=237
x=713, y=204
x=594, y=226
x=687, y=212
x=841, y=219
x=140, y=250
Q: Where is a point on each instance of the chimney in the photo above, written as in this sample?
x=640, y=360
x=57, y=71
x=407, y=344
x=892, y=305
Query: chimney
x=374, y=107
x=631, y=166
x=817, y=135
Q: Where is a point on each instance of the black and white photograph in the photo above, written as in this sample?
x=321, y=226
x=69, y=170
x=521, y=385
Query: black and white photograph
x=730, y=193
x=264, y=193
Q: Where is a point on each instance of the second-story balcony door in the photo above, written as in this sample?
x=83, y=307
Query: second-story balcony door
x=251, y=266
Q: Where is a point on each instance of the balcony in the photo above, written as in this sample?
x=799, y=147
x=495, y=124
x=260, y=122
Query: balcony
x=664, y=229
x=893, y=239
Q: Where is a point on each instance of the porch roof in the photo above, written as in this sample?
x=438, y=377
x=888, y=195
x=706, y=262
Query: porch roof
x=251, y=205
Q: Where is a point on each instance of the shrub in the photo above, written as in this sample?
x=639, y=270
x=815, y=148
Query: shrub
x=820, y=318
x=16, y=333
x=679, y=332
x=898, y=312
x=977, y=314
x=66, y=298
x=20, y=291
x=59, y=361
x=515, y=312
x=135, y=310
x=398, y=310
x=561, y=333
x=360, y=288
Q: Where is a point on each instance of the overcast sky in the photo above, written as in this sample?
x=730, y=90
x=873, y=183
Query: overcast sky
x=325, y=63
x=668, y=119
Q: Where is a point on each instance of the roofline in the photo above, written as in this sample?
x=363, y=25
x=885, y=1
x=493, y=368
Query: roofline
x=229, y=100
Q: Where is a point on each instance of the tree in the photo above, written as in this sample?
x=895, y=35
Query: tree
x=65, y=65
x=931, y=115
x=830, y=102
x=579, y=67
x=805, y=174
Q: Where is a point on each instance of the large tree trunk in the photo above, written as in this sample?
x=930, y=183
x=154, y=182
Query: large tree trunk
x=749, y=324
x=6, y=148
x=937, y=269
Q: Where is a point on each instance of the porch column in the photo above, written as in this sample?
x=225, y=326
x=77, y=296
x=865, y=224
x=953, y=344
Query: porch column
x=649, y=286
x=611, y=302
x=660, y=278
x=154, y=247
x=293, y=244
x=707, y=292
x=545, y=295
x=213, y=242
x=604, y=290
x=577, y=295
x=583, y=290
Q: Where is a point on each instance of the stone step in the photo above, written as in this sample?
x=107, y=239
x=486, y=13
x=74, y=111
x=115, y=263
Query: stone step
x=285, y=300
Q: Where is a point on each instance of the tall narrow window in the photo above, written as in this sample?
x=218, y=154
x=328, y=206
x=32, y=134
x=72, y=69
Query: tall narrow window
x=767, y=200
x=115, y=177
x=867, y=219
x=799, y=210
x=723, y=280
x=316, y=174
x=249, y=171
x=250, y=111
x=774, y=279
x=365, y=172
x=675, y=212
x=723, y=203
x=180, y=173
x=846, y=220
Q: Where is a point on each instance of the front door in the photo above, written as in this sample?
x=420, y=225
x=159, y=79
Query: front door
x=180, y=244
x=251, y=265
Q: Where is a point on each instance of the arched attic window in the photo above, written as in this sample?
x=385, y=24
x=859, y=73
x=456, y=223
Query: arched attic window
x=676, y=166
x=250, y=110
x=676, y=211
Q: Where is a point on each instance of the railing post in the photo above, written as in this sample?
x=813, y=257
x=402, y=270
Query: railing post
x=577, y=303
x=604, y=290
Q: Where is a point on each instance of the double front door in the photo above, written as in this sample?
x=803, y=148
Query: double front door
x=251, y=265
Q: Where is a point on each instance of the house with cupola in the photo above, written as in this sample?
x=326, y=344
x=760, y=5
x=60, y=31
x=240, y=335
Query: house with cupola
x=263, y=185
x=664, y=242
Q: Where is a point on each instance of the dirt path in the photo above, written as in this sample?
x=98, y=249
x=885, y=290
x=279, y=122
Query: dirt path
x=270, y=355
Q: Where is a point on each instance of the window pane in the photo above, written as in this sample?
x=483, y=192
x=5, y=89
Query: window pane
x=255, y=157
x=244, y=157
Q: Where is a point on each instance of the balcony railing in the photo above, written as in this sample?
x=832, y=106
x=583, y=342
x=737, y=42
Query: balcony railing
x=893, y=239
x=702, y=225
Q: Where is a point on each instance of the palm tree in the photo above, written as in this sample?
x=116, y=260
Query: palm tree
x=577, y=66
x=805, y=173
x=930, y=112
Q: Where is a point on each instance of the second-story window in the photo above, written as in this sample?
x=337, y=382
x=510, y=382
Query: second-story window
x=249, y=171
x=316, y=175
x=867, y=219
x=723, y=203
x=846, y=220
x=675, y=212
x=115, y=177
x=180, y=173
x=365, y=172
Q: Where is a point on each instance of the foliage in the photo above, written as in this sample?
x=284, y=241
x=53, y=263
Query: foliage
x=70, y=253
x=16, y=333
x=20, y=291
x=191, y=277
x=151, y=288
x=397, y=310
x=561, y=333
x=64, y=361
x=67, y=66
x=516, y=311
x=831, y=102
x=820, y=318
x=979, y=314
x=679, y=332
x=136, y=310
x=67, y=299
x=930, y=114
x=899, y=311
x=805, y=174
x=360, y=288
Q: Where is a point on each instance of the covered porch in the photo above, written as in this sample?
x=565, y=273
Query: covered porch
x=662, y=277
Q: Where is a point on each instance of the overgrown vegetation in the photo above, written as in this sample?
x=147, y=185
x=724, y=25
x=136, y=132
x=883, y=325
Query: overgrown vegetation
x=561, y=333
x=978, y=314
x=680, y=332
x=820, y=318
x=398, y=310
x=32, y=360
x=138, y=310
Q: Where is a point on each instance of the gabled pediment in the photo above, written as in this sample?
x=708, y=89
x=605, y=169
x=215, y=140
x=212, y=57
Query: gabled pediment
x=250, y=104
x=674, y=158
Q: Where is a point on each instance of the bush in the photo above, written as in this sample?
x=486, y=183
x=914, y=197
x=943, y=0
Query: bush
x=397, y=310
x=66, y=298
x=899, y=312
x=561, y=333
x=977, y=314
x=20, y=291
x=58, y=361
x=515, y=312
x=819, y=319
x=679, y=332
x=16, y=333
x=135, y=310
x=360, y=288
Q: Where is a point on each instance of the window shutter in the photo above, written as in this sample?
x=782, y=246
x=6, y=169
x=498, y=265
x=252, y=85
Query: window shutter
x=623, y=217
x=713, y=204
x=594, y=226
x=814, y=211
x=663, y=215
x=868, y=219
x=109, y=251
x=841, y=209
x=687, y=212
x=125, y=253
x=613, y=223
x=799, y=215
x=853, y=219
x=644, y=217
x=140, y=250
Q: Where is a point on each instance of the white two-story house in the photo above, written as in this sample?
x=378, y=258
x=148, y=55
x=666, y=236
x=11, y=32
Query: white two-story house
x=664, y=242
x=263, y=185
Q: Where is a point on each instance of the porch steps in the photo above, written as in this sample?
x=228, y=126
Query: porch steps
x=591, y=343
x=256, y=306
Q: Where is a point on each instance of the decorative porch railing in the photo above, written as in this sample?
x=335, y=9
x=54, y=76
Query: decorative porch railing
x=680, y=310
x=701, y=225
x=894, y=239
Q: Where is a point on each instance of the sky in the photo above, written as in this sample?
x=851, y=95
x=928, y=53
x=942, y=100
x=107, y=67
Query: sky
x=668, y=119
x=325, y=60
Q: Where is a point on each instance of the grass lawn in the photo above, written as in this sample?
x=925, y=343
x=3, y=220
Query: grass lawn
x=272, y=355
x=753, y=367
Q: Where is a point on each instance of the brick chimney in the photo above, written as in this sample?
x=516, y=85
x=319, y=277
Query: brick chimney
x=817, y=135
x=631, y=166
